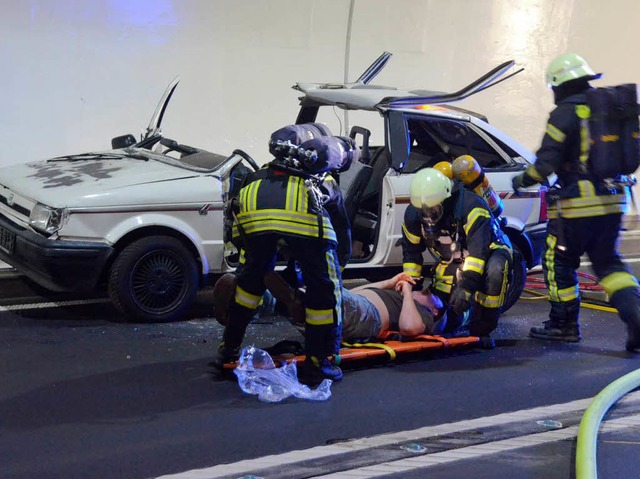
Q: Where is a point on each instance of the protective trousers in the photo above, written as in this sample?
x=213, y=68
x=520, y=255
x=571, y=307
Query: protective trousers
x=489, y=298
x=318, y=262
x=567, y=240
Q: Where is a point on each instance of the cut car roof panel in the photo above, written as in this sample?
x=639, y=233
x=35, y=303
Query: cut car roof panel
x=360, y=97
x=364, y=96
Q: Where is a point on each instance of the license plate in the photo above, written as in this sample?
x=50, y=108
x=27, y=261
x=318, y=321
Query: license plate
x=7, y=240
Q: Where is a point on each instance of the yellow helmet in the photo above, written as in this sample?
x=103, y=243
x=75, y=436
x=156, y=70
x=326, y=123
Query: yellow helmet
x=429, y=188
x=567, y=67
x=445, y=168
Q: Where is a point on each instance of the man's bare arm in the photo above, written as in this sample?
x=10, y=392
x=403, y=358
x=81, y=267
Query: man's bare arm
x=410, y=323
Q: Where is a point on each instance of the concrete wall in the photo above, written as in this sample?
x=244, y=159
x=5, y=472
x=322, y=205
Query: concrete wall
x=78, y=72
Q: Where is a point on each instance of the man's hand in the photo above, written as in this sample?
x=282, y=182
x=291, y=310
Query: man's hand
x=401, y=277
x=460, y=300
x=405, y=287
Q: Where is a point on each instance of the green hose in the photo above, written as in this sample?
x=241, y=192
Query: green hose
x=586, y=465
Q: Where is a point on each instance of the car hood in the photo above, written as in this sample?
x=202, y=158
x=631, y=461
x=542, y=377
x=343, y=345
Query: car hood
x=83, y=180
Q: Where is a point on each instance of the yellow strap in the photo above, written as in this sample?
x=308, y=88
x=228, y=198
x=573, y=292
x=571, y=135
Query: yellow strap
x=388, y=349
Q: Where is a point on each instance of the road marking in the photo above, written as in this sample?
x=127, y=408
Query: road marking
x=54, y=304
x=474, y=452
x=624, y=260
x=333, y=451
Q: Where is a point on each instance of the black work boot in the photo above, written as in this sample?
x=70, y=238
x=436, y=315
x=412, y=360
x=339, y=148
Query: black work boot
x=633, y=339
x=557, y=331
x=486, y=342
x=224, y=355
x=627, y=302
x=482, y=322
x=229, y=349
x=313, y=371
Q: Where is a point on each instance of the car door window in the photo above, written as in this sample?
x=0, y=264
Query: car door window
x=436, y=139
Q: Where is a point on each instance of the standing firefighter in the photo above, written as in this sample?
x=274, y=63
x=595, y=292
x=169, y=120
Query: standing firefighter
x=588, y=149
x=474, y=254
x=290, y=201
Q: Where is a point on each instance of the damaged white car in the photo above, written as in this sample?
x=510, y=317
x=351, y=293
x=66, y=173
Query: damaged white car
x=144, y=221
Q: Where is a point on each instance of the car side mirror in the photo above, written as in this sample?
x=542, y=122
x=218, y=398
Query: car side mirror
x=123, y=141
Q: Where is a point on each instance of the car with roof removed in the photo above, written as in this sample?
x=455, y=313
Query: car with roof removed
x=144, y=220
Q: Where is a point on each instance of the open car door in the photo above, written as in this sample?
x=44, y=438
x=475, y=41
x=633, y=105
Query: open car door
x=156, y=119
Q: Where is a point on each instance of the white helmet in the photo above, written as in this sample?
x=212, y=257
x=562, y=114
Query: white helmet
x=429, y=188
x=567, y=67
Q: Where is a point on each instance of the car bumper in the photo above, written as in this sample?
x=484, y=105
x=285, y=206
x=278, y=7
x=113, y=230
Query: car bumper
x=58, y=265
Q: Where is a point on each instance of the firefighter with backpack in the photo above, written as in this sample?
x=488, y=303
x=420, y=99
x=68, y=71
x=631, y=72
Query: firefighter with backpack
x=590, y=143
x=289, y=200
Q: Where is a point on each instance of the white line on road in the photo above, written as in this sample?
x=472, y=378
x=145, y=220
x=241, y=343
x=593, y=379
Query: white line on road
x=56, y=304
x=474, y=452
x=625, y=260
x=315, y=453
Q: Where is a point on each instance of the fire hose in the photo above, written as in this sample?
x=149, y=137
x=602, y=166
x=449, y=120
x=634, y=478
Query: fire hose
x=586, y=447
x=586, y=282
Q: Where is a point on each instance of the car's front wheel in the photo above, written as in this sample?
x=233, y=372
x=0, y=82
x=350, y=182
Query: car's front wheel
x=154, y=279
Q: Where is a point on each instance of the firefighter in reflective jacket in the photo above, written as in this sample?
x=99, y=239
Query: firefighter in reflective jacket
x=276, y=205
x=585, y=215
x=474, y=254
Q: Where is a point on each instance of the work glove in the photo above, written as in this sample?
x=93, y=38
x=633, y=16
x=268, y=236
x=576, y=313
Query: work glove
x=522, y=181
x=460, y=300
x=517, y=182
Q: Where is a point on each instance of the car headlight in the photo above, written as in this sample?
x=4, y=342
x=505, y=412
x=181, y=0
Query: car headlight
x=46, y=219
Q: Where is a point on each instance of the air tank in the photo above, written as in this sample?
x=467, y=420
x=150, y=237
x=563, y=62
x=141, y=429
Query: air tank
x=467, y=170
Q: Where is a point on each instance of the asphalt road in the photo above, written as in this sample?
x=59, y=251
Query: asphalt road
x=85, y=395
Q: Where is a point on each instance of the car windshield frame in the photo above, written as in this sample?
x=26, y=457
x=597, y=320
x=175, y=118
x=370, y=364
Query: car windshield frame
x=145, y=148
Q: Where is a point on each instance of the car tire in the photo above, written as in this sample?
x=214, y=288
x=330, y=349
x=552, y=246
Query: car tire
x=154, y=280
x=517, y=280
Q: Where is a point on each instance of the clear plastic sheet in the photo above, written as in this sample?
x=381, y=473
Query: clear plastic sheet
x=257, y=374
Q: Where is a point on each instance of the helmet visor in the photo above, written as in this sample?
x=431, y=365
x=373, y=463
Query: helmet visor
x=432, y=214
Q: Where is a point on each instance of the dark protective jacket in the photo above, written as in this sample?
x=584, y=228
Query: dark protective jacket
x=564, y=151
x=274, y=200
x=467, y=220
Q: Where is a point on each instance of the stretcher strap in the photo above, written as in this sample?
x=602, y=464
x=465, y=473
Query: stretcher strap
x=389, y=350
x=386, y=335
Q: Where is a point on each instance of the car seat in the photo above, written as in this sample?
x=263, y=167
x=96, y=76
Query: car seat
x=353, y=183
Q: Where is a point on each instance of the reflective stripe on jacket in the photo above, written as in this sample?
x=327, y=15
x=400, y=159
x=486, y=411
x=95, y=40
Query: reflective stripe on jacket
x=275, y=201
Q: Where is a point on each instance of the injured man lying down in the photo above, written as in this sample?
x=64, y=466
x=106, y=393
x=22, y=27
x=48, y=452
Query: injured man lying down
x=368, y=311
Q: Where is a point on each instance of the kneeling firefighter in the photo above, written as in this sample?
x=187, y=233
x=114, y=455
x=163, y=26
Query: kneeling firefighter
x=291, y=200
x=474, y=255
x=590, y=144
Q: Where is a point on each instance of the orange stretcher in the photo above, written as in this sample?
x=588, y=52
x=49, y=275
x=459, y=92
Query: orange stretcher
x=385, y=347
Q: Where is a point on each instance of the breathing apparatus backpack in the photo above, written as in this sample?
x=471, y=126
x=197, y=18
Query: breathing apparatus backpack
x=310, y=149
x=611, y=116
x=307, y=151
